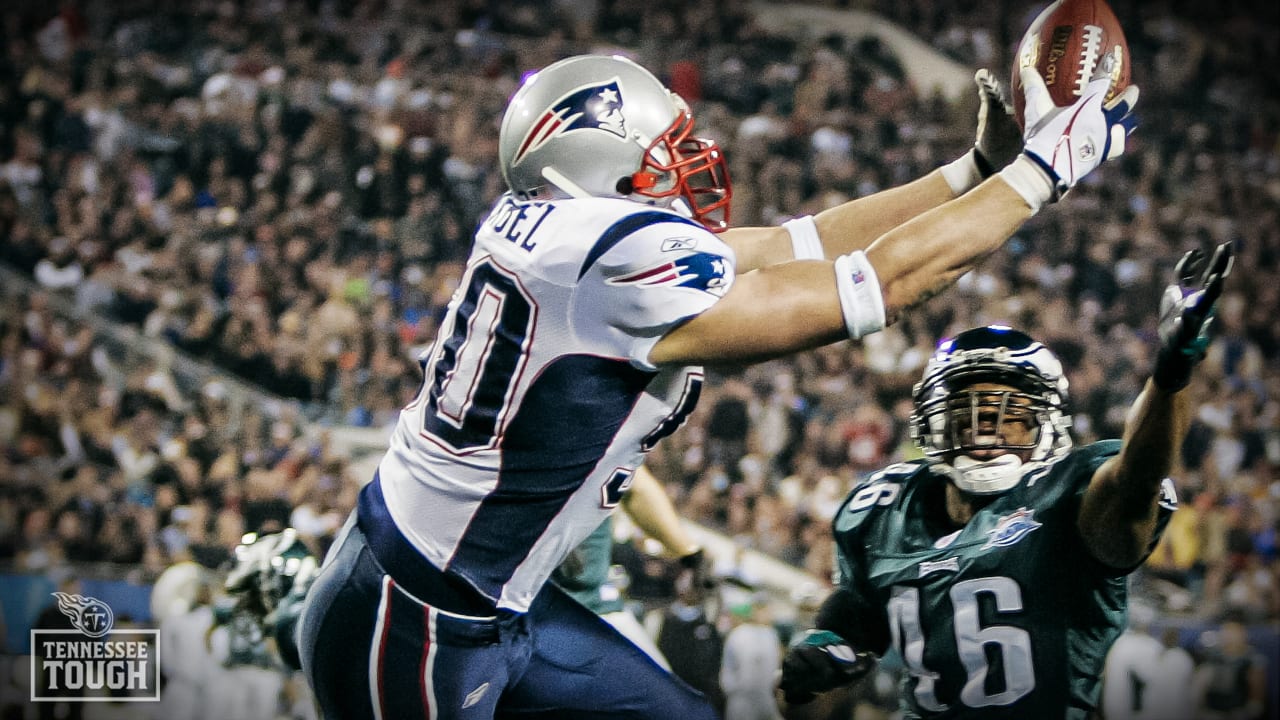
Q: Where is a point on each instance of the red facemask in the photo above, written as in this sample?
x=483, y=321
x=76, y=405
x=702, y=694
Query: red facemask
x=701, y=175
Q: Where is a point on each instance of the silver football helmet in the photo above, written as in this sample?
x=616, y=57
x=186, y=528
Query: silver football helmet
x=987, y=438
x=602, y=126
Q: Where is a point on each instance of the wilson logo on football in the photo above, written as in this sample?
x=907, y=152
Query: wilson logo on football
x=591, y=107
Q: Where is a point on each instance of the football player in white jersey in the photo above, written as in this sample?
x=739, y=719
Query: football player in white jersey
x=596, y=288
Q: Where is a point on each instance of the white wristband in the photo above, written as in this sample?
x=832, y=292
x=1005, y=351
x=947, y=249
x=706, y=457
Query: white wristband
x=962, y=174
x=805, y=243
x=1029, y=180
x=860, y=298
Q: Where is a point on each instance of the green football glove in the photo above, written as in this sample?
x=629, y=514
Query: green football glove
x=820, y=662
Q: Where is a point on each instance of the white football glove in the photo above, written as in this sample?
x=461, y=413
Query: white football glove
x=1067, y=143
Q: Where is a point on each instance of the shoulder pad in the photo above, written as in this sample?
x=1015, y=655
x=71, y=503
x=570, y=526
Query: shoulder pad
x=1102, y=449
x=880, y=490
x=1082, y=462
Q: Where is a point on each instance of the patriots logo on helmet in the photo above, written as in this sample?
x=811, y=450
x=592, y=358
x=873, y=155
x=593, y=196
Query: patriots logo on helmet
x=700, y=271
x=1011, y=528
x=593, y=107
x=89, y=615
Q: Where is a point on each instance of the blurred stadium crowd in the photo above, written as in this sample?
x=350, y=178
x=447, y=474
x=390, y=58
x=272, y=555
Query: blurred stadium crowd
x=285, y=189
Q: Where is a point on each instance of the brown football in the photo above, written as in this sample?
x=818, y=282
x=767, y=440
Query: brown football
x=1070, y=42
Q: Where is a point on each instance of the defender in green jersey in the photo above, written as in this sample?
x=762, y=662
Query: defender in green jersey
x=1011, y=609
x=996, y=566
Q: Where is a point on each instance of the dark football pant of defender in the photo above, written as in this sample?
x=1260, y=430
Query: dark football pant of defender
x=369, y=638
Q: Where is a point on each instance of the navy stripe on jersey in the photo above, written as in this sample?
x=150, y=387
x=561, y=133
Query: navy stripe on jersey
x=567, y=421
x=411, y=570
x=624, y=227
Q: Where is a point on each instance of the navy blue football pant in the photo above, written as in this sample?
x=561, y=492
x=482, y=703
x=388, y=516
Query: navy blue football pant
x=406, y=644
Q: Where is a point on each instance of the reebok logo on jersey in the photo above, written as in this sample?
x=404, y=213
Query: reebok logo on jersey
x=474, y=696
x=951, y=564
x=679, y=243
x=1011, y=528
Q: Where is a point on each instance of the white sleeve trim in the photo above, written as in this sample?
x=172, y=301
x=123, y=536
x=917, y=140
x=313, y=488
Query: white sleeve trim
x=805, y=243
x=861, y=300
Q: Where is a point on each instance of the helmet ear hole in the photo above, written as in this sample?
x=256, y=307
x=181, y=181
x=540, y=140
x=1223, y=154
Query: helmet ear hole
x=625, y=185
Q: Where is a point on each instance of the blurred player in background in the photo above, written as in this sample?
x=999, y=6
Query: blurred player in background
x=1231, y=682
x=251, y=678
x=182, y=603
x=1132, y=662
x=1172, y=690
x=752, y=652
x=996, y=566
x=595, y=290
